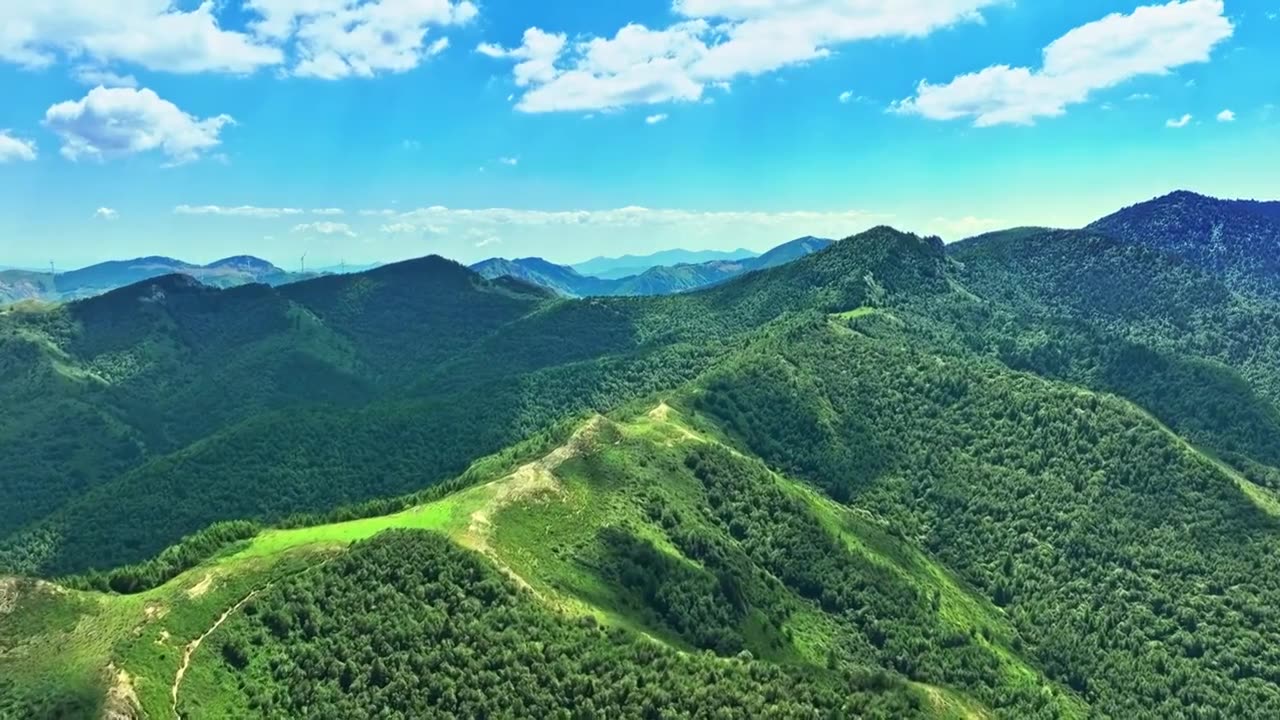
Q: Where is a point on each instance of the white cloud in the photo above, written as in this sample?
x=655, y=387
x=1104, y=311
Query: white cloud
x=846, y=96
x=94, y=76
x=240, y=211
x=15, y=148
x=537, y=56
x=1137, y=97
x=1152, y=40
x=408, y=228
x=325, y=228
x=328, y=211
x=105, y=213
x=487, y=241
x=375, y=213
x=1226, y=116
x=150, y=33
x=655, y=119
x=334, y=39
x=318, y=38
x=1179, y=122
x=716, y=42
x=111, y=122
x=509, y=161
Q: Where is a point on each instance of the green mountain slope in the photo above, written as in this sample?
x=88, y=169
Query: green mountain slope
x=98, y=387
x=561, y=359
x=1030, y=475
x=718, y=555
x=1127, y=319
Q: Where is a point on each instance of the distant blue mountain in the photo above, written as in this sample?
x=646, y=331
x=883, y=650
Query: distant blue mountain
x=655, y=280
x=628, y=265
x=106, y=276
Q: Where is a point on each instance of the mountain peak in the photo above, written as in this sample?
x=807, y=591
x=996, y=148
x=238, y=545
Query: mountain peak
x=1241, y=237
x=247, y=263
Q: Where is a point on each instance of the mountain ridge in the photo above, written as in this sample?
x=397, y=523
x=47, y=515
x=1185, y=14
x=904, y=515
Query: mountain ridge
x=613, y=268
x=657, y=280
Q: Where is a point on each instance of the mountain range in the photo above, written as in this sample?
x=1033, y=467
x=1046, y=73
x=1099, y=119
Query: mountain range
x=16, y=285
x=665, y=272
x=1034, y=474
x=613, y=268
x=656, y=280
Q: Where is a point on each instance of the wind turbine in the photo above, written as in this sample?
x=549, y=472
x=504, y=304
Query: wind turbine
x=302, y=265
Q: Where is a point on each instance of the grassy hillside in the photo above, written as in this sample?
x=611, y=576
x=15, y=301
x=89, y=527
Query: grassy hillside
x=302, y=453
x=700, y=560
x=651, y=524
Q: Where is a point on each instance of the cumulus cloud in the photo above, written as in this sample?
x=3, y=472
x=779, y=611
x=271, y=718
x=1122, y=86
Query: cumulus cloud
x=655, y=119
x=238, y=211
x=328, y=211
x=1226, y=116
x=325, y=228
x=319, y=38
x=151, y=33
x=105, y=213
x=112, y=122
x=15, y=148
x=715, y=42
x=536, y=56
x=846, y=96
x=1152, y=40
x=334, y=39
x=1178, y=122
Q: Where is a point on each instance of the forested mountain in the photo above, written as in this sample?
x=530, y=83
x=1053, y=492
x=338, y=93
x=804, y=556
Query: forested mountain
x=1035, y=474
x=93, y=280
x=1240, y=238
x=96, y=388
x=787, y=252
x=563, y=279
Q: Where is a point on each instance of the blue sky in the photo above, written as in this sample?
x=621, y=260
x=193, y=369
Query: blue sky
x=375, y=130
